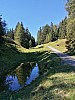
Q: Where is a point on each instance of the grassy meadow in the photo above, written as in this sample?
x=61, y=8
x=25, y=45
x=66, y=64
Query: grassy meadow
x=59, y=45
x=56, y=80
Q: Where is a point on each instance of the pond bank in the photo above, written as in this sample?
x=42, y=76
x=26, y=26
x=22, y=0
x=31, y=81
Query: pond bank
x=22, y=76
x=56, y=80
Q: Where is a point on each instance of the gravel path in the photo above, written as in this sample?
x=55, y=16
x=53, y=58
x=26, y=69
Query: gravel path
x=66, y=58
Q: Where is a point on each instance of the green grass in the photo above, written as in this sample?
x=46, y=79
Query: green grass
x=56, y=80
x=12, y=55
x=59, y=45
x=9, y=57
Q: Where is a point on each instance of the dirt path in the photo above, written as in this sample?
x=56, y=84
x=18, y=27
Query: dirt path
x=66, y=58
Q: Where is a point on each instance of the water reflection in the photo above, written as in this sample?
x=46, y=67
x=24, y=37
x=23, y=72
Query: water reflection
x=33, y=75
x=23, y=75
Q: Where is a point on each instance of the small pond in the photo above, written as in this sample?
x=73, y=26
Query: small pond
x=22, y=76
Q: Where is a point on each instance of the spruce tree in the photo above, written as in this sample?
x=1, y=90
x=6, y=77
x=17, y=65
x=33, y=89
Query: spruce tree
x=25, y=39
x=2, y=29
x=46, y=30
x=39, y=36
x=55, y=32
x=62, y=29
x=12, y=34
x=33, y=41
x=18, y=33
x=70, y=44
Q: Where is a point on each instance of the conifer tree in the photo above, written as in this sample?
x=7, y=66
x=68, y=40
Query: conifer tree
x=33, y=41
x=70, y=44
x=62, y=29
x=18, y=32
x=25, y=39
x=12, y=34
x=55, y=32
x=2, y=29
x=39, y=36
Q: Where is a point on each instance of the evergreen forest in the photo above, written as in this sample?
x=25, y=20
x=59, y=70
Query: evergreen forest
x=47, y=33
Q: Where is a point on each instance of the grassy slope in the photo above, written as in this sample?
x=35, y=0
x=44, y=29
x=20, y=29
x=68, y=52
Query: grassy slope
x=59, y=44
x=12, y=55
x=9, y=57
x=56, y=80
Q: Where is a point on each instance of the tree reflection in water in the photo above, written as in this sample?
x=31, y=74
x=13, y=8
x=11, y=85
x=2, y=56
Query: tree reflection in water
x=20, y=77
x=23, y=72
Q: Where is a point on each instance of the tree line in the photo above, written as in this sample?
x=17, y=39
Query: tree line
x=2, y=29
x=70, y=43
x=47, y=33
x=21, y=36
x=50, y=33
x=65, y=29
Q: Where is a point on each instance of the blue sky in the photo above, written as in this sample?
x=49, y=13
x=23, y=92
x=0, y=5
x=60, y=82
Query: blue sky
x=33, y=13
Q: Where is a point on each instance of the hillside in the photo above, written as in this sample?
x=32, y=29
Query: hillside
x=59, y=45
x=12, y=54
x=56, y=80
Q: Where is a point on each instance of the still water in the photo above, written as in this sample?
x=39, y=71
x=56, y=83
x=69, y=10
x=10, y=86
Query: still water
x=22, y=76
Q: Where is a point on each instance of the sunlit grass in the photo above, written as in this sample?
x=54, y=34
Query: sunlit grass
x=11, y=55
x=56, y=80
x=50, y=86
x=59, y=45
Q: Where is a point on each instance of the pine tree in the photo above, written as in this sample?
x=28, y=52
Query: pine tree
x=70, y=7
x=55, y=32
x=25, y=39
x=46, y=30
x=48, y=38
x=2, y=29
x=62, y=29
x=33, y=41
x=12, y=34
x=70, y=44
x=52, y=32
x=22, y=36
x=18, y=33
x=71, y=35
x=39, y=36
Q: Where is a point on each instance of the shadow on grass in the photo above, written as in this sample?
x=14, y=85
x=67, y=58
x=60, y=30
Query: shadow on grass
x=10, y=57
x=49, y=64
